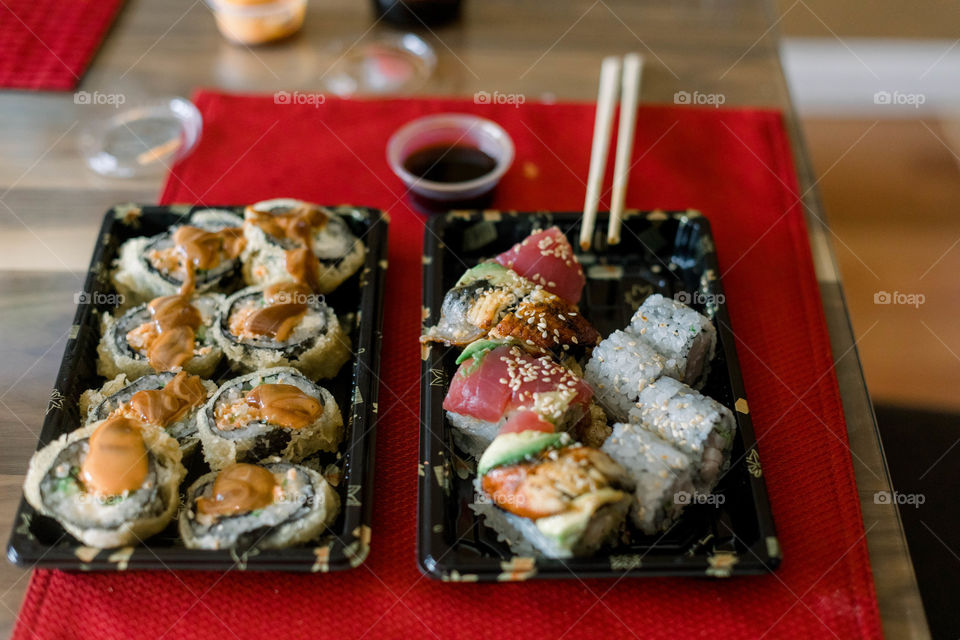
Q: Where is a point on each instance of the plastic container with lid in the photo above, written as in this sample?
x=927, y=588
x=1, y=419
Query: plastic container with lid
x=258, y=21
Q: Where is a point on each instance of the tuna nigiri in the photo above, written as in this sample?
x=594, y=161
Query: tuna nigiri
x=546, y=258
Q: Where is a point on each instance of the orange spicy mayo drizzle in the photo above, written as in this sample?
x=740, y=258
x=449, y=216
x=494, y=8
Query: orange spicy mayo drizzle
x=284, y=404
x=165, y=406
x=297, y=225
x=239, y=488
x=285, y=307
x=201, y=249
x=117, y=458
x=168, y=339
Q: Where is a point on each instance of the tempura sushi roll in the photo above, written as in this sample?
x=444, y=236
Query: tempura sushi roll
x=545, y=323
x=168, y=400
x=546, y=258
x=477, y=302
x=282, y=324
x=169, y=333
x=686, y=338
x=620, y=367
x=691, y=422
x=269, y=505
x=496, y=384
x=292, y=240
x=660, y=471
x=109, y=484
x=271, y=412
x=561, y=498
x=200, y=255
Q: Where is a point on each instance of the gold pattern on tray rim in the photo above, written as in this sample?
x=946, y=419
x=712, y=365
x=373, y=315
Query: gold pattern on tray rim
x=706, y=244
x=517, y=569
x=459, y=214
x=442, y=474
x=321, y=562
x=693, y=213
x=241, y=560
x=699, y=544
x=420, y=471
x=383, y=264
x=424, y=351
x=353, y=499
x=637, y=294
x=23, y=528
x=438, y=377
x=128, y=214
x=741, y=406
x=492, y=215
x=121, y=557
x=753, y=463
x=424, y=313
x=721, y=564
x=625, y=562
x=358, y=550
x=656, y=214
x=86, y=554
x=425, y=260
x=773, y=547
x=180, y=209
x=56, y=401
x=456, y=576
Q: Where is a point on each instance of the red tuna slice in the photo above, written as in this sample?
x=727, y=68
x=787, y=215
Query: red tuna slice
x=505, y=380
x=525, y=420
x=546, y=258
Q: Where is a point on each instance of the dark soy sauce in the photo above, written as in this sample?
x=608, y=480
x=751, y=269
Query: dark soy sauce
x=450, y=164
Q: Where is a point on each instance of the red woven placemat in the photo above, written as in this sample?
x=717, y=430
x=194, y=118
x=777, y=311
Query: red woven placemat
x=735, y=167
x=47, y=44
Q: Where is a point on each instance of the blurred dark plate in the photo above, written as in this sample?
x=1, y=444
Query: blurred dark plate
x=39, y=541
x=661, y=252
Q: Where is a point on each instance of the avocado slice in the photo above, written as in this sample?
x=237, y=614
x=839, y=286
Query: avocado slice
x=511, y=448
x=495, y=273
x=476, y=349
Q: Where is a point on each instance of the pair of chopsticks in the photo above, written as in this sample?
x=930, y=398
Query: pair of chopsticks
x=627, y=83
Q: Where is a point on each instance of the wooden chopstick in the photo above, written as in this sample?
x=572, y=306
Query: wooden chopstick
x=629, y=96
x=606, y=101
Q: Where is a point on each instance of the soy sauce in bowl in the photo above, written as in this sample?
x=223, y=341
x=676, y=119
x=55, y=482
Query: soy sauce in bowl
x=450, y=161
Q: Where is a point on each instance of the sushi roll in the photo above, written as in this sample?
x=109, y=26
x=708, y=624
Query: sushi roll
x=477, y=302
x=109, y=484
x=168, y=334
x=271, y=412
x=282, y=324
x=168, y=400
x=498, y=384
x=693, y=423
x=620, y=367
x=687, y=339
x=292, y=240
x=660, y=471
x=543, y=491
x=202, y=255
x=268, y=505
x=547, y=259
x=544, y=323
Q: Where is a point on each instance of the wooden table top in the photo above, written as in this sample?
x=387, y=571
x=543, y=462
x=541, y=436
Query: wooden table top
x=51, y=205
